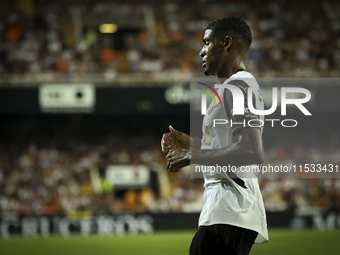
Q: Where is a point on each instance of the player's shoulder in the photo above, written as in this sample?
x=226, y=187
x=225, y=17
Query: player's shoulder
x=243, y=78
x=242, y=75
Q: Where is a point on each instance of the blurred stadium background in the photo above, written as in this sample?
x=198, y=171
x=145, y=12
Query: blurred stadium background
x=87, y=88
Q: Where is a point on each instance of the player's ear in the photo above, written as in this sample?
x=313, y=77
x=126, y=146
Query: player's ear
x=227, y=42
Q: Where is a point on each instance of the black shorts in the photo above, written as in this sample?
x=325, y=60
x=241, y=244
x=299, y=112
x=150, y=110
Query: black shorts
x=222, y=239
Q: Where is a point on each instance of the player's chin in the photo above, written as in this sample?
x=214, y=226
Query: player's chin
x=206, y=72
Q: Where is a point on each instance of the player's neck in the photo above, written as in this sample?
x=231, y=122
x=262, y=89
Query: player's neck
x=232, y=68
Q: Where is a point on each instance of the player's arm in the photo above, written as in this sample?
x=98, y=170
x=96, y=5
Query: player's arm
x=178, y=140
x=247, y=149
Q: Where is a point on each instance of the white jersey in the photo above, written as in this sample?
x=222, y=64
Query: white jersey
x=225, y=201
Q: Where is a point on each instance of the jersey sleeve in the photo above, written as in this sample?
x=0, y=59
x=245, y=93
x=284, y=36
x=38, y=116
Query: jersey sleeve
x=239, y=122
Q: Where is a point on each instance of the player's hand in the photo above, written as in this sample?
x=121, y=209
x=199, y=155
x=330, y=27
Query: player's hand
x=175, y=140
x=176, y=159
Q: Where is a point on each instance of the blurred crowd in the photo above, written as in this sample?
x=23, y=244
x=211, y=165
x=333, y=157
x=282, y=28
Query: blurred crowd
x=37, y=179
x=44, y=171
x=57, y=40
x=48, y=167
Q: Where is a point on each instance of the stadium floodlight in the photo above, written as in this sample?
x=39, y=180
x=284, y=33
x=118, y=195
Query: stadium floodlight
x=108, y=28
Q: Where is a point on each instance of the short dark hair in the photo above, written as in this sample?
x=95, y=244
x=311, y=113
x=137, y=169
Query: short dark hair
x=234, y=25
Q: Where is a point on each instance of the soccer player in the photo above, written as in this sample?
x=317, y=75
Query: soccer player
x=233, y=216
